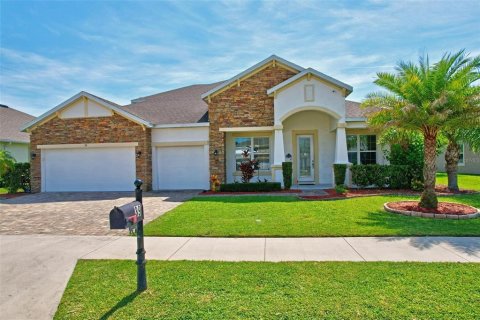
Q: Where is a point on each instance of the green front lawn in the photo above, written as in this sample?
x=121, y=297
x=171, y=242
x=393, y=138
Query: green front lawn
x=262, y=290
x=465, y=181
x=251, y=216
x=3, y=191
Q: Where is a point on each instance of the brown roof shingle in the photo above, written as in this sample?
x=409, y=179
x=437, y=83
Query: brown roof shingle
x=11, y=121
x=353, y=110
x=183, y=105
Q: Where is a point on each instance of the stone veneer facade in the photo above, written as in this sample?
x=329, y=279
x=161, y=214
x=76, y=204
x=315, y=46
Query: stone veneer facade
x=112, y=129
x=247, y=105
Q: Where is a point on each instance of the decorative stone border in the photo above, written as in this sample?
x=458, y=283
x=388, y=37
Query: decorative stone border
x=433, y=215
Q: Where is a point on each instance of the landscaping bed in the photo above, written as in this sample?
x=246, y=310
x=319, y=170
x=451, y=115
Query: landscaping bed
x=215, y=193
x=353, y=193
x=100, y=289
x=445, y=210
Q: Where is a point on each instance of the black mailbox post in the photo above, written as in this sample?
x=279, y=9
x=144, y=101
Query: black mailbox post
x=131, y=216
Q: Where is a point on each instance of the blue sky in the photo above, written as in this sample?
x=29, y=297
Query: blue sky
x=122, y=50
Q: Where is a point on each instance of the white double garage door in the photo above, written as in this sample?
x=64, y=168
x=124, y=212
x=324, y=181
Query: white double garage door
x=114, y=169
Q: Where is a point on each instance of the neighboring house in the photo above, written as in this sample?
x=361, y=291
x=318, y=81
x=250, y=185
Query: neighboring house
x=12, y=139
x=469, y=161
x=177, y=139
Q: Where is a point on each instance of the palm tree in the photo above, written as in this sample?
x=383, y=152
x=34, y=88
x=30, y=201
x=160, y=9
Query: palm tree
x=452, y=153
x=428, y=99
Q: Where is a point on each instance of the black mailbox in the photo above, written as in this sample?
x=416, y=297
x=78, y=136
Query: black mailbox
x=126, y=216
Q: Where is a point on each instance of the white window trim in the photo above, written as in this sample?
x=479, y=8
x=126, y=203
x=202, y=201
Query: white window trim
x=462, y=151
x=358, y=151
x=252, y=153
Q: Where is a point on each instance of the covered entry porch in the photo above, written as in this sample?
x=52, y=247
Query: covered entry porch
x=312, y=139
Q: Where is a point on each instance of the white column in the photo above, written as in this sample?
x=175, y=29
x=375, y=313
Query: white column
x=279, y=149
x=278, y=156
x=341, y=153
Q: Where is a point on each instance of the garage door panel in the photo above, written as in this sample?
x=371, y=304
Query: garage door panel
x=184, y=167
x=89, y=169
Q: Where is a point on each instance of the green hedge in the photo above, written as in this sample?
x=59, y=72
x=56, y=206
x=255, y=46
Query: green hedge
x=287, y=174
x=251, y=187
x=382, y=176
x=340, y=172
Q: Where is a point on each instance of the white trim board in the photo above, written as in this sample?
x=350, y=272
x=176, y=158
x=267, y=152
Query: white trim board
x=180, y=143
x=90, y=96
x=88, y=145
x=182, y=125
x=313, y=72
x=251, y=69
x=246, y=129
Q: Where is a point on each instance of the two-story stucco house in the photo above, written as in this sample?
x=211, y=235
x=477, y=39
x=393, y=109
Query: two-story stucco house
x=276, y=109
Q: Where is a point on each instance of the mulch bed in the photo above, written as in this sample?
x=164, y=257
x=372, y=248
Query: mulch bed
x=443, y=208
x=206, y=193
x=353, y=193
x=12, y=195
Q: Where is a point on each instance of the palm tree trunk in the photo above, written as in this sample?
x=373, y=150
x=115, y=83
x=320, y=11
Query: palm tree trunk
x=451, y=164
x=429, y=197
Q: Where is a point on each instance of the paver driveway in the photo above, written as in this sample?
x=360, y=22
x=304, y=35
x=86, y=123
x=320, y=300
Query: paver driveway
x=78, y=213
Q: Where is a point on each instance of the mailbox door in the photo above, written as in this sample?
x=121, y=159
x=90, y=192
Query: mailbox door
x=117, y=219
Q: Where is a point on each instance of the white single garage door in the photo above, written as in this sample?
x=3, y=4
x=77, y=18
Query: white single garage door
x=184, y=167
x=88, y=169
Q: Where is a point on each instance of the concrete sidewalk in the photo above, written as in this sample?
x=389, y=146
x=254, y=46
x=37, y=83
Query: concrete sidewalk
x=426, y=249
x=34, y=269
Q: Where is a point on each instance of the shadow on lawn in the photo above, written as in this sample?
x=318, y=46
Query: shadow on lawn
x=122, y=303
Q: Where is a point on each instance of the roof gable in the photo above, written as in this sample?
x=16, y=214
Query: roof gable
x=99, y=101
x=317, y=74
x=273, y=59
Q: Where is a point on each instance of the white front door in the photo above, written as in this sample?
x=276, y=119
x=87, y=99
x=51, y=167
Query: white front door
x=305, y=159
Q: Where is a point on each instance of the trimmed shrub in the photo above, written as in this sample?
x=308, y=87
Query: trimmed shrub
x=340, y=189
x=287, y=174
x=17, y=177
x=340, y=172
x=382, y=176
x=411, y=155
x=251, y=187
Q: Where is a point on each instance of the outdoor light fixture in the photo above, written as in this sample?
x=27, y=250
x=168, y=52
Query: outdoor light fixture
x=215, y=152
x=138, y=154
x=288, y=156
x=33, y=155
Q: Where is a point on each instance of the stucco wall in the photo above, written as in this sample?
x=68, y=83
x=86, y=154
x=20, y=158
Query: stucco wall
x=471, y=163
x=326, y=98
x=318, y=122
x=112, y=129
x=20, y=151
x=160, y=135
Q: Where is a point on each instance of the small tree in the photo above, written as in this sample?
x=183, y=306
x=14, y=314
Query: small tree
x=428, y=99
x=452, y=153
x=6, y=162
x=247, y=167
